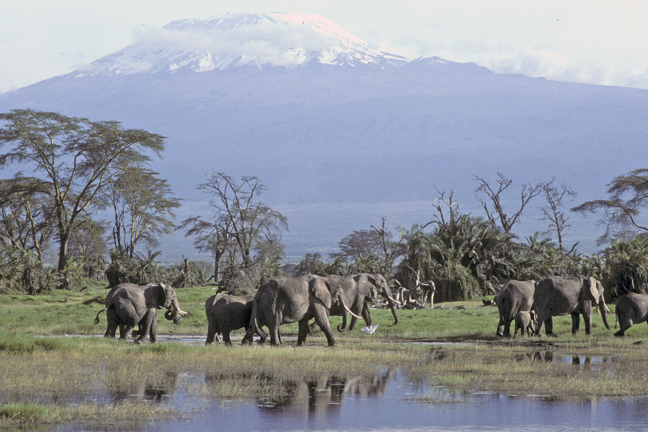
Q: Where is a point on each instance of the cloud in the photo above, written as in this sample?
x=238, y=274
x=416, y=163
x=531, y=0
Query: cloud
x=270, y=43
x=558, y=67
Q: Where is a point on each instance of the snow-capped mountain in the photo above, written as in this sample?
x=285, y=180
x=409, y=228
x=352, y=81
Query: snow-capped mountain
x=277, y=39
x=342, y=135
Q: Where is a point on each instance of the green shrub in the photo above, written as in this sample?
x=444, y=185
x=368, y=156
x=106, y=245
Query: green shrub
x=24, y=413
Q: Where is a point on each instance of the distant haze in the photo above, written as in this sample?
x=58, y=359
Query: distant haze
x=343, y=135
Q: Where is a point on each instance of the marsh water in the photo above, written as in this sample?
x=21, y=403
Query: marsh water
x=389, y=401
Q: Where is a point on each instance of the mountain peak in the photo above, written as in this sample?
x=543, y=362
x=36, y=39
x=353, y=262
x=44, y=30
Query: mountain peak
x=276, y=39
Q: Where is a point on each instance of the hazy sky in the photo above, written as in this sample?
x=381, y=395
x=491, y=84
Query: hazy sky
x=600, y=42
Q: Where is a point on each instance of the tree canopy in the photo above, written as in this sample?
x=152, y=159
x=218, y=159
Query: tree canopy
x=72, y=160
x=621, y=212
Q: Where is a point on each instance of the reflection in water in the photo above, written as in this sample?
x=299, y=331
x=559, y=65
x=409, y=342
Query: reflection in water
x=143, y=390
x=386, y=402
x=549, y=356
x=318, y=398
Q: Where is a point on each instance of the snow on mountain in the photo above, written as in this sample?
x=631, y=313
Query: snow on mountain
x=277, y=39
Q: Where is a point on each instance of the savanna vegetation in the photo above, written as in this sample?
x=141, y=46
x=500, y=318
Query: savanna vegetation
x=92, y=208
x=89, y=214
x=50, y=378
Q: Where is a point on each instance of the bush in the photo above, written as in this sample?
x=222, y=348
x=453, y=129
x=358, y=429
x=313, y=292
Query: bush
x=24, y=413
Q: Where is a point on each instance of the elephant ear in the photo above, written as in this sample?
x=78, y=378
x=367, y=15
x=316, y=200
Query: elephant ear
x=321, y=289
x=160, y=294
x=368, y=287
x=592, y=290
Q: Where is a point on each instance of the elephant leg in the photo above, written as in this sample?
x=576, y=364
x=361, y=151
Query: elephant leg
x=111, y=329
x=500, y=327
x=322, y=320
x=587, y=319
x=507, y=327
x=357, y=306
x=576, y=323
x=312, y=327
x=549, y=325
x=274, y=334
x=587, y=316
x=211, y=334
x=625, y=325
x=366, y=315
x=226, y=337
x=111, y=326
x=146, y=324
x=153, y=331
x=125, y=330
x=303, y=332
x=547, y=320
x=262, y=338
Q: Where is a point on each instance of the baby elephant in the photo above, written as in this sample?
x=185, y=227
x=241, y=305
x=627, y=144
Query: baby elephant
x=631, y=309
x=525, y=321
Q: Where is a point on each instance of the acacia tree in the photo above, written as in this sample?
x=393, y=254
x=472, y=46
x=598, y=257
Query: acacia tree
x=26, y=221
x=358, y=243
x=621, y=212
x=552, y=212
x=239, y=221
x=211, y=236
x=89, y=246
x=142, y=207
x=73, y=160
x=495, y=195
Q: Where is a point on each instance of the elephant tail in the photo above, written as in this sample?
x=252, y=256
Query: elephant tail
x=96, y=321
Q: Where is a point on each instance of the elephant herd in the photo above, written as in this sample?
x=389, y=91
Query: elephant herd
x=278, y=301
x=530, y=303
x=284, y=300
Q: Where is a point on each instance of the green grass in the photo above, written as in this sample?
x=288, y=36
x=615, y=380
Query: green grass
x=41, y=375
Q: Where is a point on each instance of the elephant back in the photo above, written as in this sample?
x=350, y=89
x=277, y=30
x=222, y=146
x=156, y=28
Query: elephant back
x=514, y=297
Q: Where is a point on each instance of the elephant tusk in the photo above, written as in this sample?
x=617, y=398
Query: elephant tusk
x=181, y=312
x=349, y=310
x=606, y=308
x=395, y=301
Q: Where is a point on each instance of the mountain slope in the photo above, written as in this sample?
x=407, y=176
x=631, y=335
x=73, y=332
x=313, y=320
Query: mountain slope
x=342, y=140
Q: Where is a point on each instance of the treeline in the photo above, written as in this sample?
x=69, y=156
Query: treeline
x=92, y=206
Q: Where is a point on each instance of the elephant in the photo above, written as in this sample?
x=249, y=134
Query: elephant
x=559, y=295
x=358, y=290
x=286, y=300
x=631, y=309
x=525, y=321
x=514, y=297
x=226, y=313
x=128, y=305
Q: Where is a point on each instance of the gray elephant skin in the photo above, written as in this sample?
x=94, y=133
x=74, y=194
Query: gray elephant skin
x=575, y=296
x=226, y=313
x=525, y=322
x=631, y=309
x=514, y=297
x=359, y=291
x=128, y=305
x=287, y=300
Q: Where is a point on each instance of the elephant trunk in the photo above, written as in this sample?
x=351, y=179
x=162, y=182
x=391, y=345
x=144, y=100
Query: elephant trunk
x=392, y=306
x=603, y=308
x=174, y=312
x=393, y=303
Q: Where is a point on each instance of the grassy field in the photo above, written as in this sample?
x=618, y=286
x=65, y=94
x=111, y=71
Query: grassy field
x=43, y=376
